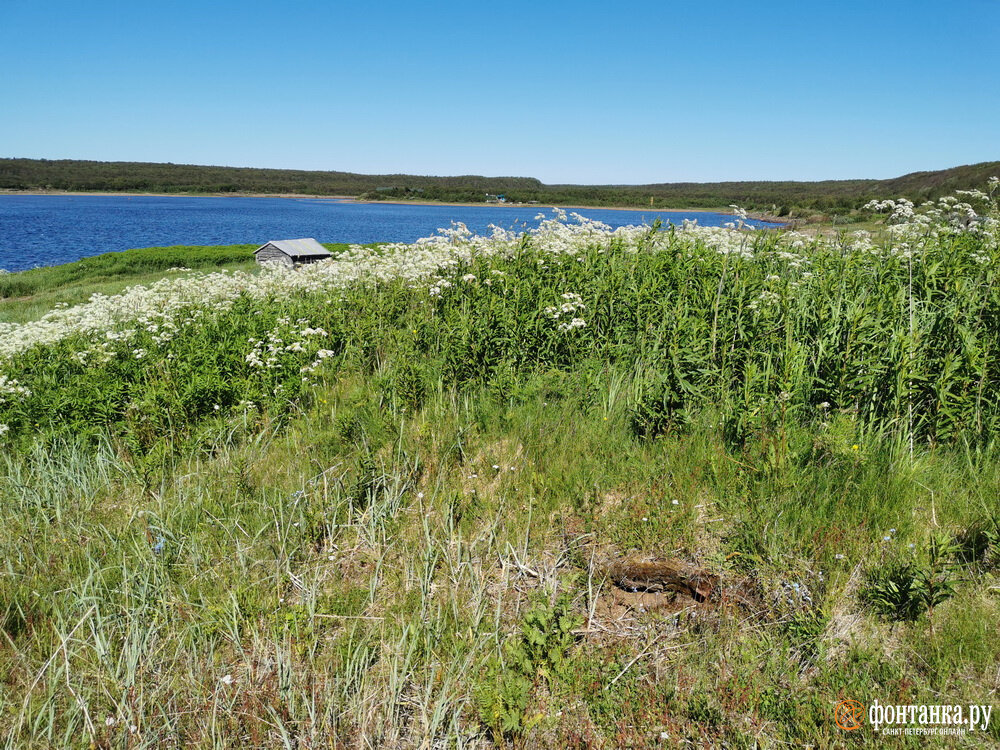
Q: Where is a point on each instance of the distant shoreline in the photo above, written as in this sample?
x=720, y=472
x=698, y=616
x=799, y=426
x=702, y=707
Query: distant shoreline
x=355, y=199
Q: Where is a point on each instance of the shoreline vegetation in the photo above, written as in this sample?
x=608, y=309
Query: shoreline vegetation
x=788, y=200
x=572, y=489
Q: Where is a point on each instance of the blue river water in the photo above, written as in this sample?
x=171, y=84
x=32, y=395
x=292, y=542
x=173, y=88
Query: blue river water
x=43, y=230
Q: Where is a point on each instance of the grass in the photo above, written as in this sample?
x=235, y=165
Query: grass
x=356, y=572
x=403, y=544
x=109, y=266
x=27, y=295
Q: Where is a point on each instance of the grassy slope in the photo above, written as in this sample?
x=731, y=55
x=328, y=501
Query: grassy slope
x=350, y=568
x=28, y=295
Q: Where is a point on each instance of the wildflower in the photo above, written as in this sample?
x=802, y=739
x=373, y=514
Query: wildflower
x=575, y=323
x=838, y=556
x=11, y=388
x=226, y=679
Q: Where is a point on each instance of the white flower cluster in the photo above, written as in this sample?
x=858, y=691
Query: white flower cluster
x=741, y=217
x=900, y=210
x=767, y=298
x=948, y=212
x=320, y=356
x=569, y=325
x=438, y=287
x=949, y=209
x=10, y=390
x=572, y=303
x=284, y=338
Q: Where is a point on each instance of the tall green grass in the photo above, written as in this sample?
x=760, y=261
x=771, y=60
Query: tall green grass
x=355, y=577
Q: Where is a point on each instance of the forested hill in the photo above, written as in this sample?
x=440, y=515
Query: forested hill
x=113, y=176
x=783, y=198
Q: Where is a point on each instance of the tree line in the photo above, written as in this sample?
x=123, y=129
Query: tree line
x=781, y=198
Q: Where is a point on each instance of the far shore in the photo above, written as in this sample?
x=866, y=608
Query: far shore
x=354, y=199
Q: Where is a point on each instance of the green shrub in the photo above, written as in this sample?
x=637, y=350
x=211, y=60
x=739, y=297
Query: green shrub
x=904, y=589
x=546, y=637
x=501, y=699
x=406, y=384
x=539, y=652
x=660, y=409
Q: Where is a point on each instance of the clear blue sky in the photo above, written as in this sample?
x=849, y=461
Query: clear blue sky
x=582, y=92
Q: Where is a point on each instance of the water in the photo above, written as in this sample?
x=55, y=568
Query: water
x=42, y=230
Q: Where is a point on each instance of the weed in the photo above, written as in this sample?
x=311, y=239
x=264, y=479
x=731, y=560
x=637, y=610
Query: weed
x=904, y=589
x=541, y=652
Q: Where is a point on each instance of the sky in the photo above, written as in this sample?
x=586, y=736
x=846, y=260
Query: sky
x=583, y=92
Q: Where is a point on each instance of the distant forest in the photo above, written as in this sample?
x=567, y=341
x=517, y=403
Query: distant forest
x=775, y=198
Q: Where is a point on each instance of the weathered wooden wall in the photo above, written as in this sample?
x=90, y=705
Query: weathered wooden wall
x=271, y=254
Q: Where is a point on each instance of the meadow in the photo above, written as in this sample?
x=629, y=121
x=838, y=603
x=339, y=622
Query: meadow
x=381, y=501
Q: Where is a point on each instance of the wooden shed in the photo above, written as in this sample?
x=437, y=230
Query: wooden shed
x=291, y=252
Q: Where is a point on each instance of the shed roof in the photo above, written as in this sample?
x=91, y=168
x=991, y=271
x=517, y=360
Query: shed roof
x=306, y=247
